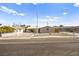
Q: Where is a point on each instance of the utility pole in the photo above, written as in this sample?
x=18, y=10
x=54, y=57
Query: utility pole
x=37, y=18
x=36, y=9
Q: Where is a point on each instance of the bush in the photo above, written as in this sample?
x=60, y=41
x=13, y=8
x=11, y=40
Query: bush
x=32, y=30
x=6, y=29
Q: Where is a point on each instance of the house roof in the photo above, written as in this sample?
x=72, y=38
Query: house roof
x=46, y=27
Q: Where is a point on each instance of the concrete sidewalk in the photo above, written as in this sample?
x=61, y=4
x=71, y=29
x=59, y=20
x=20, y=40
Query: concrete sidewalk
x=18, y=35
x=37, y=37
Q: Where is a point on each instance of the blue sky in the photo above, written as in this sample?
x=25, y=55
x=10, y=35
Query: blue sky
x=52, y=13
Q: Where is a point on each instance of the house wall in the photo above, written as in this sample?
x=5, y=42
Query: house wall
x=45, y=30
x=70, y=29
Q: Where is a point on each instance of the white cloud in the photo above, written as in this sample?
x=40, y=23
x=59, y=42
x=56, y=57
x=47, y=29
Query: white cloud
x=49, y=18
x=34, y=3
x=10, y=11
x=56, y=17
x=76, y=4
x=18, y=3
x=52, y=18
x=21, y=14
x=65, y=13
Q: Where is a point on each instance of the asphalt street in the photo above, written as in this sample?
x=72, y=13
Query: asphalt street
x=42, y=45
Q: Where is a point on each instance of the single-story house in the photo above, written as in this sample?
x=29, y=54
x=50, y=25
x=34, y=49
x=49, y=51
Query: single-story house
x=69, y=29
x=48, y=29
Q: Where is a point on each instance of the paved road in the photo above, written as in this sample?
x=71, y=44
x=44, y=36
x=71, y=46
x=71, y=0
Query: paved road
x=39, y=40
x=44, y=44
x=37, y=47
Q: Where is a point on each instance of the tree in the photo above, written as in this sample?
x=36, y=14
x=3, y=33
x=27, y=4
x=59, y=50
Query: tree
x=61, y=26
x=33, y=30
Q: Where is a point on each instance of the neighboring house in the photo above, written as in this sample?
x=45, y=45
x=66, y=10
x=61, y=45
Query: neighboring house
x=48, y=29
x=69, y=29
x=76, y=29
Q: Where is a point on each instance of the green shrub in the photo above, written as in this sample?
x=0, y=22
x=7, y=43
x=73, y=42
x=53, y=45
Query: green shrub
x=32, y=30
x=6, y=29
